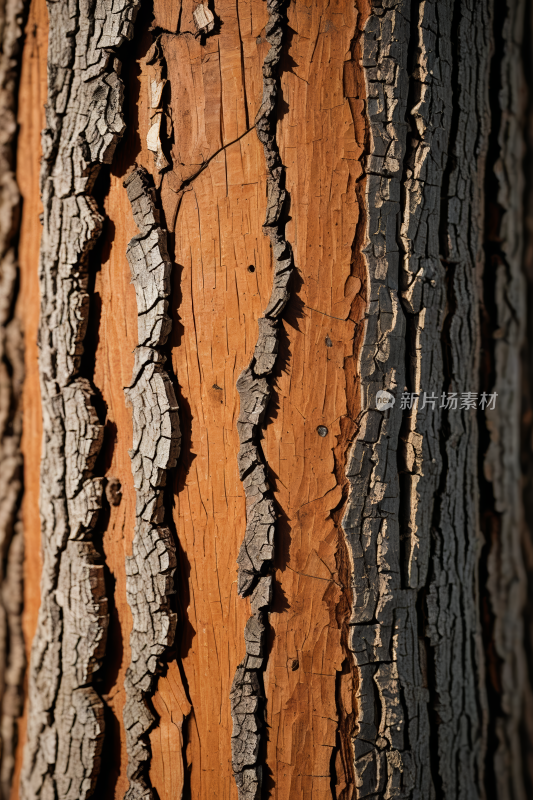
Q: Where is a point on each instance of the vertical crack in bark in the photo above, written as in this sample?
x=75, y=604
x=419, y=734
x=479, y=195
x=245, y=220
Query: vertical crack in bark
x=257, y=551
x=423, y=277
x=456, y=665
x=502, y=328
x=12, y=655
x=84, y=123
x=423, y=294
x=156, y=446
x=383, y=614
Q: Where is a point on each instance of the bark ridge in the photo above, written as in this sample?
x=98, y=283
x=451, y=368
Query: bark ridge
x=156, y=446
x=84, y=123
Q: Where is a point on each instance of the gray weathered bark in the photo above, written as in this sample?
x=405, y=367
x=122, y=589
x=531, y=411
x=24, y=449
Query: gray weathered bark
x=84, y=123
x=156, y=446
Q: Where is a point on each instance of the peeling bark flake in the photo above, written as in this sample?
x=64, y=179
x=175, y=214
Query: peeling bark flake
x=157, y=116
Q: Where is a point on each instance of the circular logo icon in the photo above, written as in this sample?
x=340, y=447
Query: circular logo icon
x=384, y=400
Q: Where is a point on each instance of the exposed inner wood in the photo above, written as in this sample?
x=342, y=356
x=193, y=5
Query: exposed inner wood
x=32, y=98
x=321, y=141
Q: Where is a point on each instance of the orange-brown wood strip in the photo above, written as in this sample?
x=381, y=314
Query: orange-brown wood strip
x=31, y=120
x=315, y=388
x=215, y=92
x=117, y=337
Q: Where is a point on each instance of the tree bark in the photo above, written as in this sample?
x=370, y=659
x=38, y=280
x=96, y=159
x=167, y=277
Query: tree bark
x=244, y=225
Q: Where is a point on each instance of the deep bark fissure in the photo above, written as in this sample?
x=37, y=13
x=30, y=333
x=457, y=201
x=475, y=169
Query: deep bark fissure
x=526, y=427
x=176, y=599
x=459, y=709
x=416, y=66
x=370, y=520
x=171, y=487
x=422, y=458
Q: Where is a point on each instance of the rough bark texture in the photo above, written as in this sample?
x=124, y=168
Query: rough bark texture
x=65, y=722
x=453, y=627
x=416, y=541
x=526, y=444
x=156, y=446
x=371, y=520
x=371, y=557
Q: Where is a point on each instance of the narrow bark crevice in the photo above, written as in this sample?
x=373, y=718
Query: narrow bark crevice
x=423, y=295
x=162, y=161
x=342, y=760
x=490, y=519
x=526, y=426
x=256, y=555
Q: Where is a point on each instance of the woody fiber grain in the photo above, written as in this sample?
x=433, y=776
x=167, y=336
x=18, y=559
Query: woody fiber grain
x=156, y=446
x=12, y=657
x=84, y=123
x=257, y=551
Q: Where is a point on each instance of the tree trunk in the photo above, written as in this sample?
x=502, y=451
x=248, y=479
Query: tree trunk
x=276, y=416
